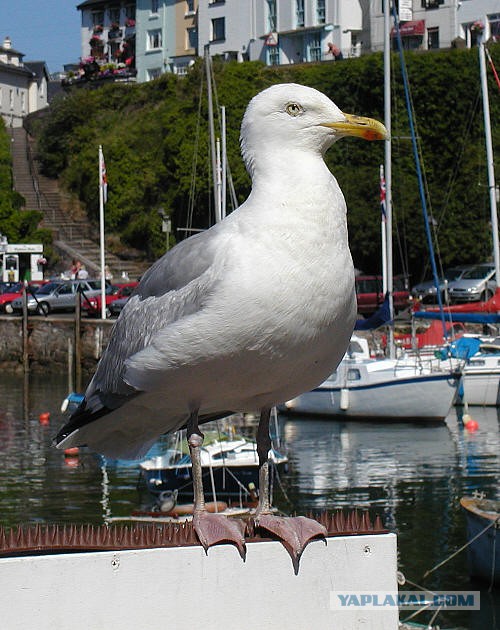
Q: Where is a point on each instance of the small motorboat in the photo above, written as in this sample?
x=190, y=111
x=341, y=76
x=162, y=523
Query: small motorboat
x=483, y=525
x=230, y=468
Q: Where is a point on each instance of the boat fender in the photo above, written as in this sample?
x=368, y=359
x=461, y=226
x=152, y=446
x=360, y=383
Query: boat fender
x=344, y=398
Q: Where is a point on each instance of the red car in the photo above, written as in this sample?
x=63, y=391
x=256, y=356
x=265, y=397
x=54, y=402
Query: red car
x=370, y=296
x=92, y=305
x=13, y=292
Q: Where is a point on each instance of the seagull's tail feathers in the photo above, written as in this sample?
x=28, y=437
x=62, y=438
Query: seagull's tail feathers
x=124, y=433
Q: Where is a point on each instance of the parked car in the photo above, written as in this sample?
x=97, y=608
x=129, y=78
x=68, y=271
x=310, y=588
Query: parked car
x=426, y=292
x=370, y=296
x=477, y=283
x=116, y=307
x=16, y=291
x=92, y=305
x=58, y=296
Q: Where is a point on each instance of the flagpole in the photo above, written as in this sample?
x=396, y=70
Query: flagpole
x=383, y=229
x=101, y=233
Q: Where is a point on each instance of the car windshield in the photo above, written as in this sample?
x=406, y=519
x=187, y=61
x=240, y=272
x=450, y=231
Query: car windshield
x=453, y=274
x=477, y=273
x=48, y=288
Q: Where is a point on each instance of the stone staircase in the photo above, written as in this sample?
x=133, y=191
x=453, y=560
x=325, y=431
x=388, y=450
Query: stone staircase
x=73, y=237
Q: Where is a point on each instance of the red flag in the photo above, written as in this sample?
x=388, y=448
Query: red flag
x=382, y=194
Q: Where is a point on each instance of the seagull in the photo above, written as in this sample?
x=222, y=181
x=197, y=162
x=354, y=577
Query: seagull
x=241, y=317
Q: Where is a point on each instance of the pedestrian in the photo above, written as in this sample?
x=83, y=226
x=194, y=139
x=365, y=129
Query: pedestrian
x=335, y=52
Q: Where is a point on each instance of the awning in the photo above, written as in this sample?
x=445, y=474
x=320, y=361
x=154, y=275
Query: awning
x=410, y=29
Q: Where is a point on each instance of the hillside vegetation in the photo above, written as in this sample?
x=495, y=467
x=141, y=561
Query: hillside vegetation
x=148, y=133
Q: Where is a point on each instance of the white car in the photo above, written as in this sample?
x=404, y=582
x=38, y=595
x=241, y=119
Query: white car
x=58, y=296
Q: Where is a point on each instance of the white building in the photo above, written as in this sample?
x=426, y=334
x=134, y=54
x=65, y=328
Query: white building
x=275, y=32
x=428, y=24
x=23, y=87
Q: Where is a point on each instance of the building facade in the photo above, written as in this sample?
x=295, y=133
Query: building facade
x=23, y=85
x=277, y=33
x=431, y=24
x=157, y=36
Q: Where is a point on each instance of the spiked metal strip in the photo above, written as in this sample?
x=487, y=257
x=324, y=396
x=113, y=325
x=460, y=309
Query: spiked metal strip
x=47, y=539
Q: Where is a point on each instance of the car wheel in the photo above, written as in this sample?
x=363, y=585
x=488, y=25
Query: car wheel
x=9, y=309
x=43, y=308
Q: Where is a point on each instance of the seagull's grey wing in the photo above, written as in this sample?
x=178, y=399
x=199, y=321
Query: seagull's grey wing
x=175, y=287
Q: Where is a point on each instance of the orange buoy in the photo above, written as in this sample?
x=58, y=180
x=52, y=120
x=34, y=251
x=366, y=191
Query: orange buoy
x=470, y=424
x=44, y=418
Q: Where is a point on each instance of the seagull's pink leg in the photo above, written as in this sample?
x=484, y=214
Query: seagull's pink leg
x=210, y=528
x=294, y=532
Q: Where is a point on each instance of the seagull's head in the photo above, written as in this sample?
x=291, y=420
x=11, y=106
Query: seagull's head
x=287, y=117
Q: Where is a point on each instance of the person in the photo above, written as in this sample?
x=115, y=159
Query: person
x=76, y=265
x=335, y=52
x=83, y=274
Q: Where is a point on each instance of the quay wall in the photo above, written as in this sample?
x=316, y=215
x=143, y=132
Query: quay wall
x=52, y=343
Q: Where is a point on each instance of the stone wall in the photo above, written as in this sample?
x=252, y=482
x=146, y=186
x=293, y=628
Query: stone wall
x=50, y=340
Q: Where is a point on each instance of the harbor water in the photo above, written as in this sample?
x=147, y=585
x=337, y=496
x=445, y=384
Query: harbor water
x=413, y=475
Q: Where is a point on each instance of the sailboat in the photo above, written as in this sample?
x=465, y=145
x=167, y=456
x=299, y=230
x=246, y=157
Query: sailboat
x=481, y=373
x=407, y=388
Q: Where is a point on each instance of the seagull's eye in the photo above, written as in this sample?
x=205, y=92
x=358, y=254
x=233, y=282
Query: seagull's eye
x=294, y=109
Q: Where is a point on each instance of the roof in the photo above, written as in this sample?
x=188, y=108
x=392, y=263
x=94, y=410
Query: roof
x=10, y=67
x=11, y=51
x=89, y=3
x=38, y=68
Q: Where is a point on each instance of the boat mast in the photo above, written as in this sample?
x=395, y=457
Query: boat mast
x=489, y=157
x=213, y=151
x=388, y=169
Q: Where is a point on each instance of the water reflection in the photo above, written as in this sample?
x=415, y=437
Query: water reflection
x=411, y=474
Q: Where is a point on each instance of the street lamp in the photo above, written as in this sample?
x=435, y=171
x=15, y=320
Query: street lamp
x=4, y=243
x=166, y=226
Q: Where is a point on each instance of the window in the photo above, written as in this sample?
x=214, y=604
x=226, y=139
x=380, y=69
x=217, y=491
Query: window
x=299, y=12
x=114, y=14
x=273, y=55
x=272, y=20
x=189, y=7
x=97, y=18
x=191, y=37
x=11, y=98
x=314, y=47
x=494, y=21
x=154, y=39
x=155, y=6
x=23, y=102
x=130, y=11
x=153, y=73
x=320, y=11
x=432, y=38
x=431, y=4
x=353, y=375
x=218, y=29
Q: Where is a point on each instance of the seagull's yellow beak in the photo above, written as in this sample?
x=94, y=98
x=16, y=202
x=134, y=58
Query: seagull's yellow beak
x=366, y=128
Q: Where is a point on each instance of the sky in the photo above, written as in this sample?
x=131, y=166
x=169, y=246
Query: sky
x=44, y=30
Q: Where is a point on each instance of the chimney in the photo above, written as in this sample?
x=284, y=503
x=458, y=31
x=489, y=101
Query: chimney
x=7, y=43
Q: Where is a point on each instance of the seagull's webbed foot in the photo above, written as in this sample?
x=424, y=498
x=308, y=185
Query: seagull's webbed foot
x=210, y=528
x=217, y=528
x=294, y=532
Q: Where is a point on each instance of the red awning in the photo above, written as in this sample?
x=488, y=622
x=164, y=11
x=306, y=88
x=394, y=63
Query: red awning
x=410, y=29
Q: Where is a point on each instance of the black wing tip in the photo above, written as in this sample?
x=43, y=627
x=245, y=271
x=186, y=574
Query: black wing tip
x=80, y=418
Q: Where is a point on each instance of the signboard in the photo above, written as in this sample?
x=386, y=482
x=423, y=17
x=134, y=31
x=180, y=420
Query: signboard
x=272, y=39
x=405, y=10
x=25, y=248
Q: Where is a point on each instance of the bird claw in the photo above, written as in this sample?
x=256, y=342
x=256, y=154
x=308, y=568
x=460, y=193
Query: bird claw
x=217, y=528
x=294, y=532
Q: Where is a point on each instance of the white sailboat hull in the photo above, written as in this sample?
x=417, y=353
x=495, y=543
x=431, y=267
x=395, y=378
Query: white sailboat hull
x=421, y=397
x=481, y=383
x=390, y=389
